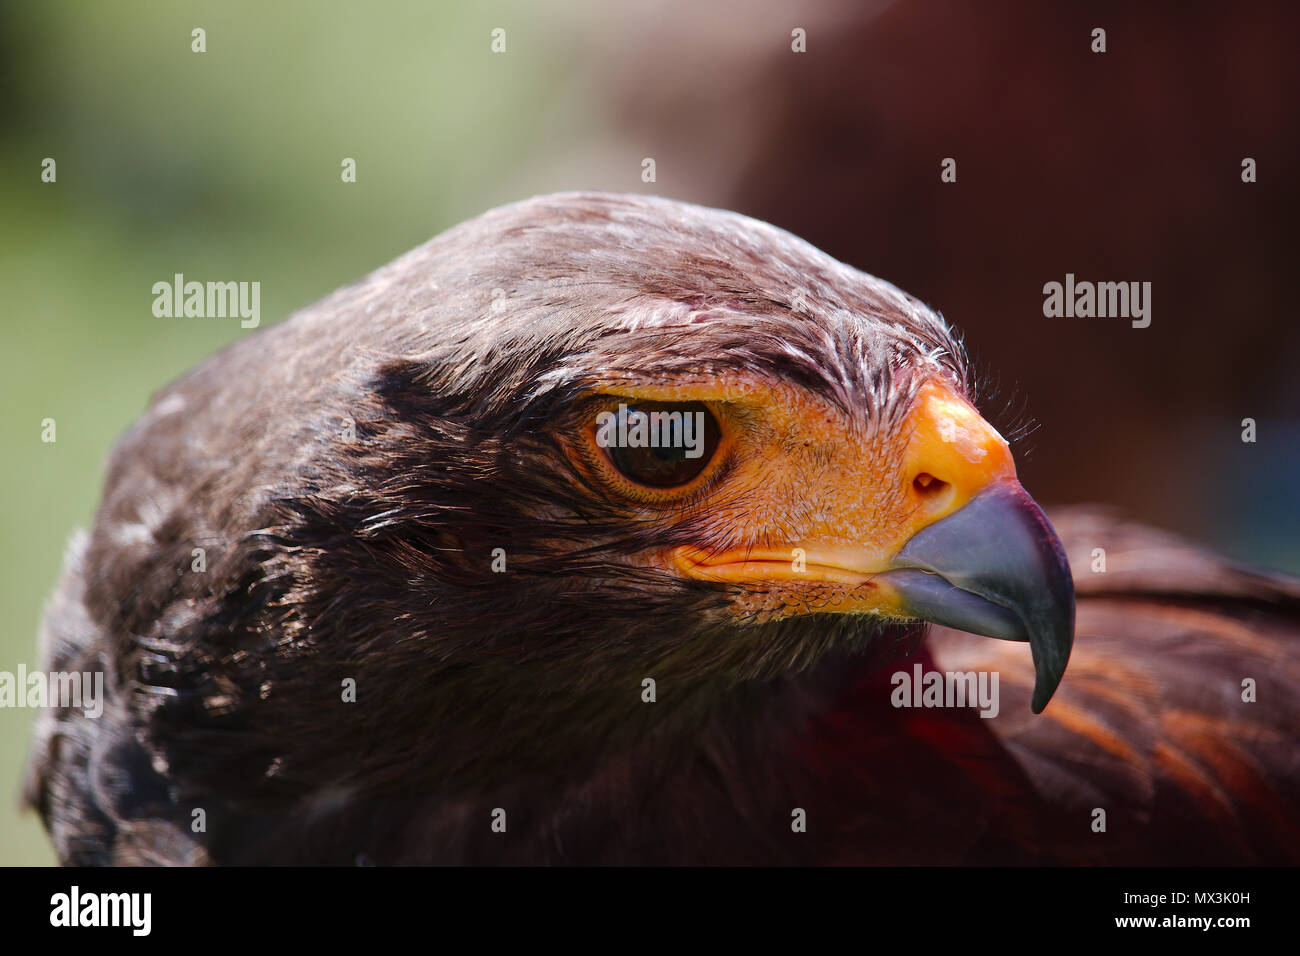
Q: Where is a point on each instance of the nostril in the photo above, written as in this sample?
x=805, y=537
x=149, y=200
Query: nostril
x=927, y=485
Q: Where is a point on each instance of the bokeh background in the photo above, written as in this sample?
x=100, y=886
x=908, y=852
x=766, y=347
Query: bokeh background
x=1123, y=166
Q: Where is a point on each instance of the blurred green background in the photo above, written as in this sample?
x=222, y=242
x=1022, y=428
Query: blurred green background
x=225, y=165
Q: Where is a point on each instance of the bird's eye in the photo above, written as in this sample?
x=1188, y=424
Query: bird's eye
x=658, y=444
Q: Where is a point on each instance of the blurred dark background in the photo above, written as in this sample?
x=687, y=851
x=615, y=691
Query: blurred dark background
x=1122, y=166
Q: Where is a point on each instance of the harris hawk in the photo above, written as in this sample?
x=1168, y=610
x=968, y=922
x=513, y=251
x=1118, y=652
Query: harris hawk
x=445, y=615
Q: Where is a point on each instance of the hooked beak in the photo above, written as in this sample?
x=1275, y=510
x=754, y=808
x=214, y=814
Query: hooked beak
x=994, y=567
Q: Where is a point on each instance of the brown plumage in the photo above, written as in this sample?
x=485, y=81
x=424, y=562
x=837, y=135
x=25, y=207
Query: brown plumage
x=351, y=473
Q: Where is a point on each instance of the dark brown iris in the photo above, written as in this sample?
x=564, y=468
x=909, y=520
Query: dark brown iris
x=660, y=444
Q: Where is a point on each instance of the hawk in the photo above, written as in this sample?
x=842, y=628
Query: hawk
x=608, y=529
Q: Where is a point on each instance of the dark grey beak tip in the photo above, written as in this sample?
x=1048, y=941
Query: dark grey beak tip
x=1052, y=651
x=1002, y=572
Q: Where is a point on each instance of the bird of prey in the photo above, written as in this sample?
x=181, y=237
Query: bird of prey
x=403, y=580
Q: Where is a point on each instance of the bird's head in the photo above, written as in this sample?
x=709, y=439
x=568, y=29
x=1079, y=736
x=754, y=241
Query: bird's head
x=637, y=437
x=604, y=438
